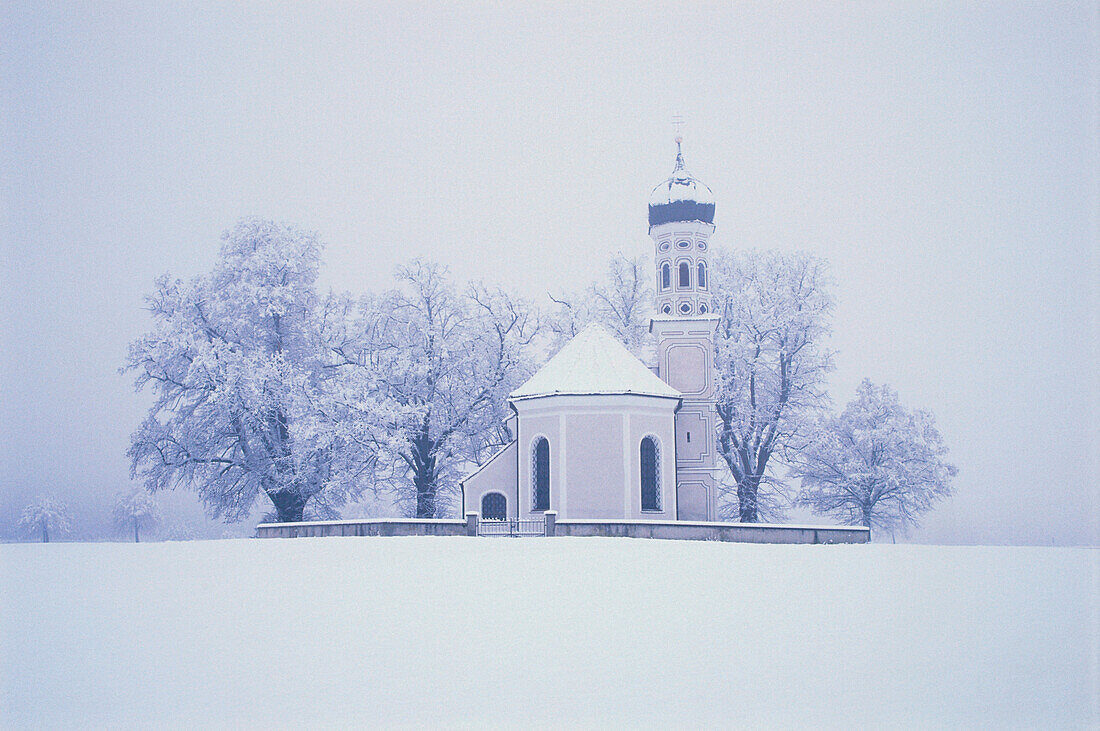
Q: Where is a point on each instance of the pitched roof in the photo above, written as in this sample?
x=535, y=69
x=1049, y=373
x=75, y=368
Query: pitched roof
x=594, y=362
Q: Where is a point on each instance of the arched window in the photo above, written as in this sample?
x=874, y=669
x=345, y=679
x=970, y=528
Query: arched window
x=685, y=275
x=494, y=506
x=701, y=279
x=666, y=276
x=651, y=474
x=540, y=475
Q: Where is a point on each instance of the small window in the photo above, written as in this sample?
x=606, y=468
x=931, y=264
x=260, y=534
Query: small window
x=667, y=309
x=683, y=244
x=685, y=275
x=685, y=308
x=701, y=278
x=702, y=309
x=663, y=246
x=540, y=469
x=702, y=245
x=666, y=276
x=651, y=474
x=494, y=506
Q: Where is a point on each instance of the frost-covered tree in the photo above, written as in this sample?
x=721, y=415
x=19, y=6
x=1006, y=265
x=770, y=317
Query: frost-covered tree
x=44, y=515
x=134, y=510
x=876, y=464
x=620, y=300
x=445, y=361
x=248, y=392
x=775, y=311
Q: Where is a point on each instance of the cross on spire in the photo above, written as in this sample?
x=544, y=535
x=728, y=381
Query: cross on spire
x=678, y=123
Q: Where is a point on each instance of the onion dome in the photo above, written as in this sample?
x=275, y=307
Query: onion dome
x=681, y=198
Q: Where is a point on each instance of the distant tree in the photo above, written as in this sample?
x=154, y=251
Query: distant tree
x=445, y=360
x=46, y=514
x=621, y=300
x=250, y=398
x=875, y=464
x=134, y=510
x=775, y=311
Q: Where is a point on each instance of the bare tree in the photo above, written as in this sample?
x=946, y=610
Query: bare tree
x=446, y=360
x=875, y=464
x=621, y=300
x=46, y=514
x=244, y=380
x=775, y=313
x=135, y=510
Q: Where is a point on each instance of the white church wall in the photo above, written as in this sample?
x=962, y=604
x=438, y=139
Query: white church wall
x=597, y=470
x=595, y=460
x=658, y=426
x=532, y=426
x=496, y=475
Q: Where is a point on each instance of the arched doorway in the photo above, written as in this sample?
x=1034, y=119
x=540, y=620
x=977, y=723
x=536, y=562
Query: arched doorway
x=494, y=506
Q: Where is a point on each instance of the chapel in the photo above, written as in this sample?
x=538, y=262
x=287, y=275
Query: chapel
x=597, y=433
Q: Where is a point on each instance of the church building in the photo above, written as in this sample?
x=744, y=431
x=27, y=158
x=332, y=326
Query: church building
x=598, y=434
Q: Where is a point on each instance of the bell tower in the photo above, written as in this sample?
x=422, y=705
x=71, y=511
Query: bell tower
x=681, y=220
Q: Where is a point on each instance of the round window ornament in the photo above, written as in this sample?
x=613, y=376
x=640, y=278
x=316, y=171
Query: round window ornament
x=683, y=244
x=685, y=308
x=667, y=309
x=663, y=246
x=702, y=309
x=702, y=245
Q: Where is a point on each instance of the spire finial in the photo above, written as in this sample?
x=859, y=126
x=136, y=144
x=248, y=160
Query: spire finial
x=678, y=123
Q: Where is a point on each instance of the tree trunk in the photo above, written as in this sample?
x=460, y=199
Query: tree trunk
x=424, y=464
x=425, y=496
x=290, y=506
x=45, y=533
x=746, y=499
x=136, y=530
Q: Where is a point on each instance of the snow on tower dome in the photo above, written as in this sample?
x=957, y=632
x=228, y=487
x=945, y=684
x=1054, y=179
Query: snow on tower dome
x=681, y=198
x=594, y=362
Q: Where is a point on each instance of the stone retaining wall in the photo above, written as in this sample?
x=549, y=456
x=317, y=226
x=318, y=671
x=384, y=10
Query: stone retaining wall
x=702, y=531
x=676, y=530
x=379, y=527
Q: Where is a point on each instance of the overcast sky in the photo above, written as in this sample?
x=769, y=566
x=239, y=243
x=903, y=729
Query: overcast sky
x=944, y=159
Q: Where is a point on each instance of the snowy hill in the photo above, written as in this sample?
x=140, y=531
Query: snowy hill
x=546, y=632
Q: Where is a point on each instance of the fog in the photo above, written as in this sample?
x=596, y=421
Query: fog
x=944, y=159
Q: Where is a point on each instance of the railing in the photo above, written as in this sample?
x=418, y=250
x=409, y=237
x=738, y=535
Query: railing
x=512, y=527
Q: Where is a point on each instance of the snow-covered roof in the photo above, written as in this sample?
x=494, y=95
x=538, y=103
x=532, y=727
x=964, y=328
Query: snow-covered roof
x=594, y=362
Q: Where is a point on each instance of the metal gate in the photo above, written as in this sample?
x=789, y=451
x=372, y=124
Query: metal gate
x=514, y=527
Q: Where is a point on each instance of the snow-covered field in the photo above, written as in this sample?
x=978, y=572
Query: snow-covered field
x=546, y=632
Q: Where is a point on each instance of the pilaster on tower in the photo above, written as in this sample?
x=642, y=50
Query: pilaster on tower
x=681, y=220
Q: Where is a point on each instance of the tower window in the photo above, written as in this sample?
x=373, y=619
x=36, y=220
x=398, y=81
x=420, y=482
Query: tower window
x=666, y=276
x=702, y=276
x=685, y=275
x=540, y=474
x=651, y=474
